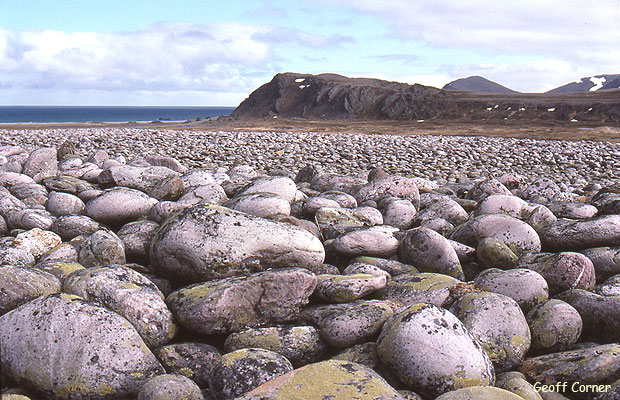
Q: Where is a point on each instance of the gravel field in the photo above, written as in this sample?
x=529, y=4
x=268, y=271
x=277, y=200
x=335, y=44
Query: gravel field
x=440, y=158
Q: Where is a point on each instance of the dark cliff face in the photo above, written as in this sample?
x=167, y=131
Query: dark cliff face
x=330, y=96
x=335, y=97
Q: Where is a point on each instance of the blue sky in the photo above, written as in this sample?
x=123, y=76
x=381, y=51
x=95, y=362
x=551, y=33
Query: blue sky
x=137, y=52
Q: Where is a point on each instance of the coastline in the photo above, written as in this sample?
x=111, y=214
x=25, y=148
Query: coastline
x=540, y=130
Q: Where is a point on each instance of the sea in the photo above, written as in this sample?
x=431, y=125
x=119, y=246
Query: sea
x=59, y=114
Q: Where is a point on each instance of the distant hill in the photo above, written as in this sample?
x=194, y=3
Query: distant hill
x=478, y=84
x=336, y=97
x=590, y=84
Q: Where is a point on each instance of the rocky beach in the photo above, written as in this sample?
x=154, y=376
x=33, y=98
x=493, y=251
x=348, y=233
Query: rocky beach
x=157, y=263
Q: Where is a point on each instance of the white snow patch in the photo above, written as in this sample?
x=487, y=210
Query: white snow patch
x=589, y=109
x=509, y=108
x=299, y=80
x=420, y=120
x=489, y=108
x=598, y=83
x=551, y=109
x=303, y=86
x=275, y=116
x=573, y=120
x=522, y=109
x=497, y=105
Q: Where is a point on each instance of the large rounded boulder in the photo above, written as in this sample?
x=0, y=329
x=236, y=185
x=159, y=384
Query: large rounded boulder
x=211, y=242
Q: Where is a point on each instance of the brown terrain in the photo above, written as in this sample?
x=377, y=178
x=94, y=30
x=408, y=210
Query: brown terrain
x=333, y=103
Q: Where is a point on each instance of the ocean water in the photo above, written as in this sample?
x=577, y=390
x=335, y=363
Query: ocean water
x=51, y=114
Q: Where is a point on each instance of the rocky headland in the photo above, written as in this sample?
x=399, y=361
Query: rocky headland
x=335, y=97
x=164, y=264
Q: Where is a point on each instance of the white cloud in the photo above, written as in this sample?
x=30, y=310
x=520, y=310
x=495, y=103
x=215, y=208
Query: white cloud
x=163, y=58
x=578, y=36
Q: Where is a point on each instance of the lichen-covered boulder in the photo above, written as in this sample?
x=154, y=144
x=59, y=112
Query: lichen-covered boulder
x=392, y=267
x=347, y=288
x=570, y=234
x=606, y=261
x=493, y=252
x=600, y=314
x=432, y=352
x=66, y=348
x=170, y=387
x=301, y=345
x=264, y=205
x=502, y=204
x=37, y=241
x=429, y=251
x=30, y=218
x=42, y=163
x=589, y=366
x=60, y=203
x=377, y=241
x=212, y=242
x=241, y=371
x=19, y=285
x=70, y=226
x=528, y=288
x=343, y=325
x=518, y=235
x=136, y=237
x=193, y=360
x=479, y=393
x=136, y=177
x=101, y=248
x=424, y=287
x=555, y=325
x=565, y=270
x=333, y=379
x=399, y=213
x=234, y=304
x=131, y=295
x=498, y=323
x=516, y=383
x=391, y=186
x=119, y=205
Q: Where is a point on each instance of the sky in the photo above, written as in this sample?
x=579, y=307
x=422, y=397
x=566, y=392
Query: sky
x=215, y=53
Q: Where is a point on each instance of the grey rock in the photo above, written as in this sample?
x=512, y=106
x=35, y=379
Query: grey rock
x=101, y=248
x=600, y=314
x=542, y=190
x=193, y=360
x=301, y=345
x=573, y=210
x=424, y=287
x=10, y=204
x=8, y=179
x=498, y=323
x=347, y=288
x=518, y=235
x=399, y=213
x=527, y=287
x=136, y=238
x=493, y=252
x=168, y=189
x=555, y=326
x=135, y=177
x=264, y=205
x=516, y=383
x=343, y=325
x=606, y=261
x=90, y=352
x=166, y=161
x=60, y=203
x=243, y=370
x=19, y=285
x=565, y=270
x=330, y=379
x=483, y=189
x=119, y=205
x=234, y=304
x=197, y=177
x=280, y=185
x=168, y=386
x=30, y=218
x=392, y=267
x=610, y=287
x=129, y=294
x=41, y=164
x=568, y=234
x=211, y=193
x=18, y=257
x=392, y=186
x=70, y=226
x=413, y=345
x=428, y=251
x=502, y=204
x=67, y=184
x=36, y=241
x=218, y=230
x=479, y=393
x=376, y=241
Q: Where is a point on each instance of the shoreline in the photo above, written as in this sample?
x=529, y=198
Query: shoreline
x=540, y=130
